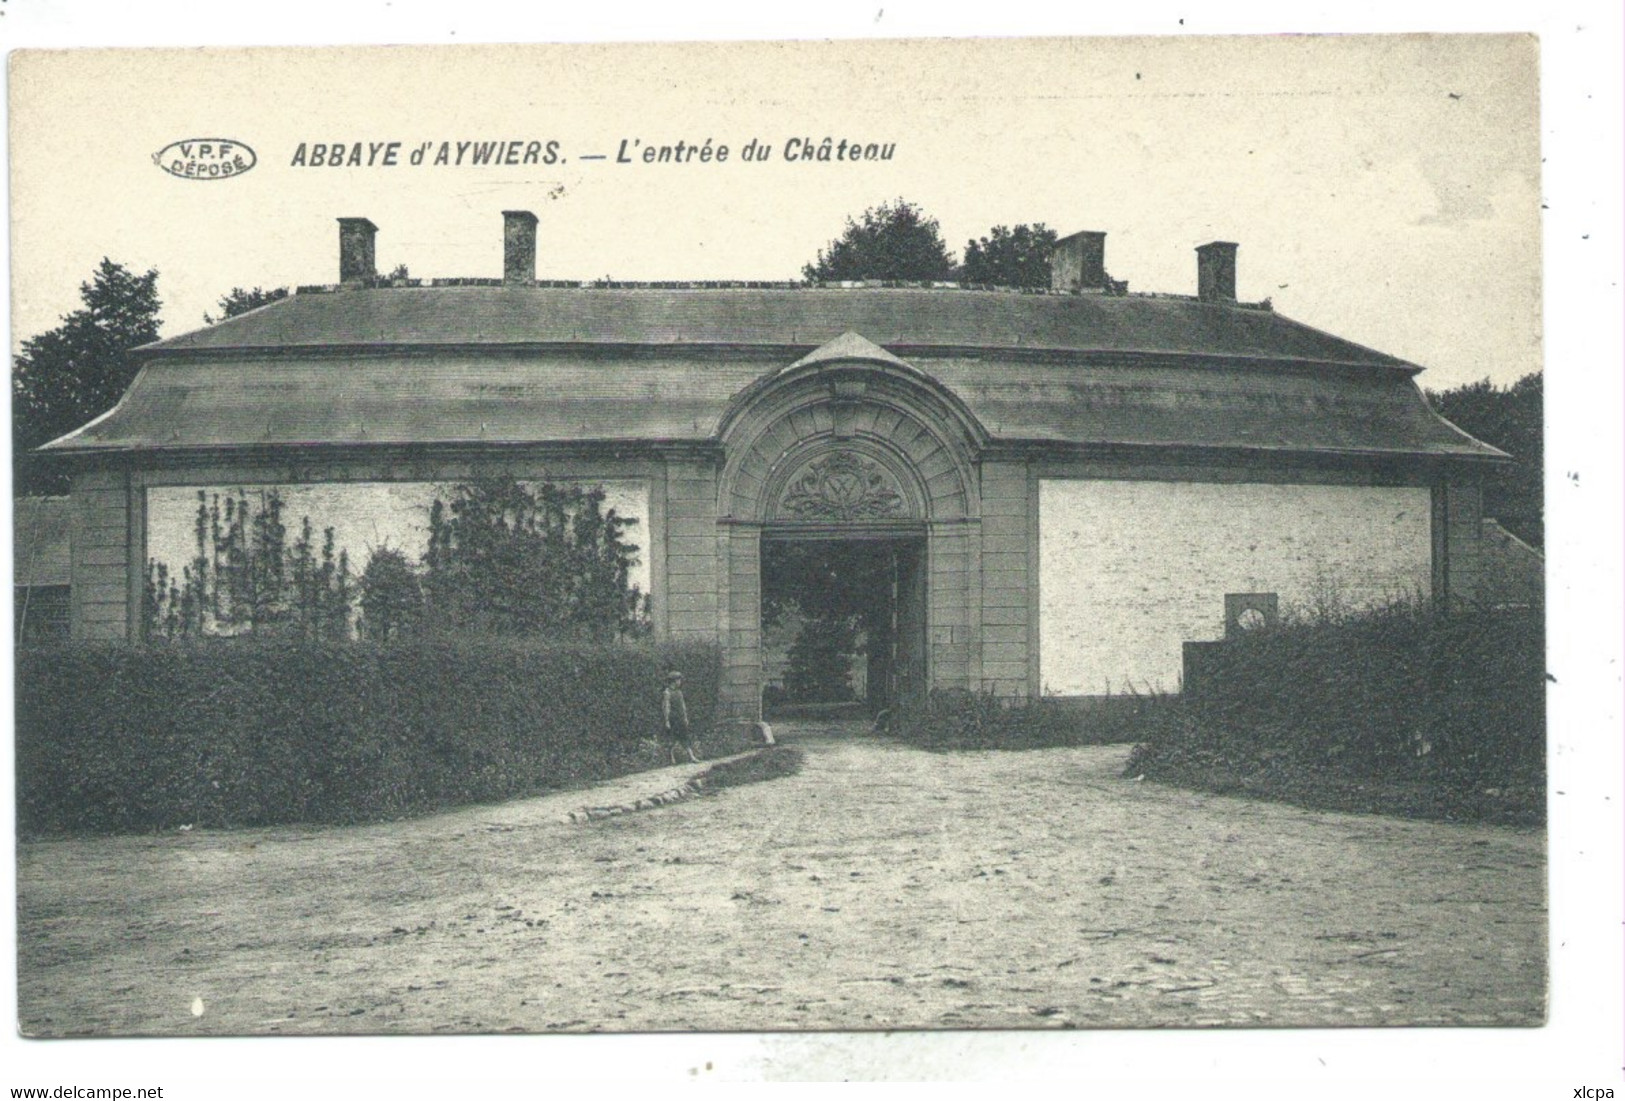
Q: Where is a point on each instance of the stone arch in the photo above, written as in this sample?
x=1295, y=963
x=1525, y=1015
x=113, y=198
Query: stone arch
x=885, y=420
x=850, y=442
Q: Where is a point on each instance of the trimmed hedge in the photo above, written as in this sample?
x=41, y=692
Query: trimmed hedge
x=217, y=733
x=952, y=720
x=1443, y=713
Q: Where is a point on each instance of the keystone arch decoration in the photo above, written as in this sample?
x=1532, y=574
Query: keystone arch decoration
x=842, y=485
x=849, y=441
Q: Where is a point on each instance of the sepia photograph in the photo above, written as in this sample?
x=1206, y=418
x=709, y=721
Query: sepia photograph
x=961, y=535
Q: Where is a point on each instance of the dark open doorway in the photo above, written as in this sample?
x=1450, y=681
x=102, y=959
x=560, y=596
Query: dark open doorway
x=843, y=624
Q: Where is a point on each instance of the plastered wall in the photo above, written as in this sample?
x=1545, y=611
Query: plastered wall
x=364, y=515
x=1129, y=570
x=123, y=522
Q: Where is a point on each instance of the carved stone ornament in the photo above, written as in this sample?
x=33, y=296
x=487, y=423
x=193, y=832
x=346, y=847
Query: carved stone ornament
x=843, y=486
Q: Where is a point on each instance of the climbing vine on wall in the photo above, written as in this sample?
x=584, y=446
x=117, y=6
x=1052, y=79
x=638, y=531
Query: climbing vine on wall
x=244, y=578
x=510, y=558
x=503, y=558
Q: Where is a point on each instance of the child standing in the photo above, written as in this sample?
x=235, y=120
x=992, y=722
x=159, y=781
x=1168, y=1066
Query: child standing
x=674, y=711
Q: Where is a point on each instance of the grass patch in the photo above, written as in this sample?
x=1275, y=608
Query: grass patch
x=771, y=763
x=957, y=720
x=1317, y=787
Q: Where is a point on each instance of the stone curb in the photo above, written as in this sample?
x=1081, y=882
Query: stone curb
x=686, y=790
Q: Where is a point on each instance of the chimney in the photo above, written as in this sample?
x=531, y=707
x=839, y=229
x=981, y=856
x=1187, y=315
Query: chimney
x=1079, y=263
x=357, y=263
x=1216, y=271
x=518, y=247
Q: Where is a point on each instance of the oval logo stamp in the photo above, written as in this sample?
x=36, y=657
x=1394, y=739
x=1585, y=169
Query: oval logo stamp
x=205, y=158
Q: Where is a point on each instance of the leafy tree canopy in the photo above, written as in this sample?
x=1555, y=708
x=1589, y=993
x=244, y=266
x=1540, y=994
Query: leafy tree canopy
x=895, y=240
x=391, y=596
x=835, y=580
x=838, y=589
x=510, y=558
x=77, y=371
x=1008, y=257
x=244, y=579
x=1509, y=418
x=819, y=667
x=240, y=301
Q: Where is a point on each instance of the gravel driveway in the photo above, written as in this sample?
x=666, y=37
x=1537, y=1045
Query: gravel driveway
x=882, y=887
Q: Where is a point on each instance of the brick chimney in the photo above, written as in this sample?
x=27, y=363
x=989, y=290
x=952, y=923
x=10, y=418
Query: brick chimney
x=1078, y=263
x=1216, y=271
x=518, y=247
x=357, y=262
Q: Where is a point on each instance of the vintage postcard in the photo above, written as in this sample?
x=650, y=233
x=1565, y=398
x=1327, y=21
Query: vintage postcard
x=872, y=535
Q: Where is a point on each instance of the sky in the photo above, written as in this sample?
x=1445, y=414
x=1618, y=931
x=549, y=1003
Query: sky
x=1385, y=189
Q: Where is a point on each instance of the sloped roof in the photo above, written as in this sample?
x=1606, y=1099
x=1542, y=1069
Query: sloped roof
x=899, y=318
x=547, y=364
x=572, y=396
x=41, y=553
x=1138, y=404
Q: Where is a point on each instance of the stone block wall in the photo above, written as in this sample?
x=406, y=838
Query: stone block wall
x=1006, y=551
x=102, y=559
x=691, y=592
x=1463, y=514
x=740, y=547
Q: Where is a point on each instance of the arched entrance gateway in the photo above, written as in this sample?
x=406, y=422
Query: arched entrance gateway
x=852, y=454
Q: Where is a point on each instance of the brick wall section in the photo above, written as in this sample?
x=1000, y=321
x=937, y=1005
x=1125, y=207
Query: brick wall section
x=101, y=557
x=1005, y=607
x=1130, y=570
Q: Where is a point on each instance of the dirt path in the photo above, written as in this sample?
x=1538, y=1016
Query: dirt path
x=882, y=887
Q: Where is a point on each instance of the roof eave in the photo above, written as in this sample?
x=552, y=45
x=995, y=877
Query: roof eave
x=685, y=444
x=1488, y=457
x=697, y=349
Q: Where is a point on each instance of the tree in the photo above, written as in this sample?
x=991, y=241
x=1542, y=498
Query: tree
x=240, y=301
x=1007, y=257
x=819, y=668
x=835, y=588
x=391, y=596
x=834, y=579
x=894, y=240
x=1510, y=419
x=77, y=371
x=509, y=558
x=244, y=580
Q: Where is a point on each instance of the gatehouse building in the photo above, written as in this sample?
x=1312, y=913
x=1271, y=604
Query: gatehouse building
x=1055, y=489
